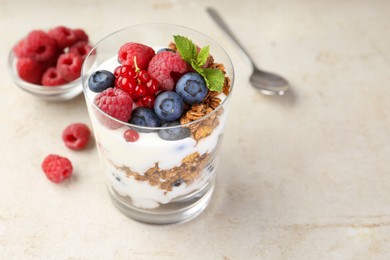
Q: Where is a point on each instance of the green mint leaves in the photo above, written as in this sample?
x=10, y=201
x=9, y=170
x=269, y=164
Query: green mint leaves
x=186, y=48
x=214, y=78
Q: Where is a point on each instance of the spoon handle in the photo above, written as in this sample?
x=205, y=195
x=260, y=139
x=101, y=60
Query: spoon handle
x=218, y=19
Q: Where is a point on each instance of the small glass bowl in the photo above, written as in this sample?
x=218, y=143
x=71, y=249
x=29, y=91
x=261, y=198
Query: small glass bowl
x=52, y=93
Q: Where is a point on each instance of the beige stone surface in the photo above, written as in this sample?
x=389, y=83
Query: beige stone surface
x=304, y=176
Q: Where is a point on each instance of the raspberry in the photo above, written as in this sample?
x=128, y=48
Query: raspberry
x=52, y=78
x=80, y=48
x=81, y=35
x=63, y=36
x=163, y=65
x=76, y=136
x=57, y=168
x=29, y=70
x=39, y=46
x=116, y=103
x=69, y=66
x=19, y=49
x=142, y=53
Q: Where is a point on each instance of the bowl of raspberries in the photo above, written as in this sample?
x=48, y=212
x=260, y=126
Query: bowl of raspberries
x=47, y=63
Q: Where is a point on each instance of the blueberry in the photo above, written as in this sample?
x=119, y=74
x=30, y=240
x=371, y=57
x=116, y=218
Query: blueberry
x=168, y=106
x=101, y=80
x=192, y=88
x=178, y=182
x=143, y=116
x=164, y=49
x=172, y=134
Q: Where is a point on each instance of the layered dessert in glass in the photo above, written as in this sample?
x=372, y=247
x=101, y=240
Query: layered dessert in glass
x=157, y=96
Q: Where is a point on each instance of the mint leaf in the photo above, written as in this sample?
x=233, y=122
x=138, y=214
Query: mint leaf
x=214, y=79
x=195, y=66
x=186, y=48
x=203, y=56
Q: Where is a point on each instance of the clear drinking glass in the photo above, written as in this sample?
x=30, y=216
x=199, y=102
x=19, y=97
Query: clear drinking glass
x=155, y=180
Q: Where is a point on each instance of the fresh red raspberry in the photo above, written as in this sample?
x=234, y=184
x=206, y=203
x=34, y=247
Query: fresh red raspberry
x=81, y=35
x=63, y=36
x=30, y=70
x=163, y=65
x=142, y=53
x=69, y=66
x=53, y=61
x=51, y=77
x=116, y=103
x=57, y=168
x=39, y=46
x=76, y=136
x=80, y=48
x=19, y=49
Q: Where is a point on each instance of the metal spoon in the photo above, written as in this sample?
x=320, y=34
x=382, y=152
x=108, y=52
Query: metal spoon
x=266, y=82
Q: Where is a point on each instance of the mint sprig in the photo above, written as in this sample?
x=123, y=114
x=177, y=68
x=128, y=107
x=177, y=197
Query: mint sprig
x=214, y=78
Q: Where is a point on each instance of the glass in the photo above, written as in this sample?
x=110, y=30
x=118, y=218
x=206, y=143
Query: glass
x=155, y=180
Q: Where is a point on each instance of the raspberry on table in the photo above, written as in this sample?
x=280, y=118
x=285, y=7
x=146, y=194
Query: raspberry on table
x=51, y=77
x=69, y=66
x=163, y=65
x=80, y=48
x=142, y=53
x=39, y=46
x=29, y=70
x=63, y=36
x=76, y=136
x=57, y=168
x=116, y=103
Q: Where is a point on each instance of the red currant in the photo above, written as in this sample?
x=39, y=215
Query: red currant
x=140, y=91
x=117, y=71
x=125, y=70
x=127, y=84
x=152, y=86
x=138, y=83
x=148, y=101
x=130, y=135
x=143, y=76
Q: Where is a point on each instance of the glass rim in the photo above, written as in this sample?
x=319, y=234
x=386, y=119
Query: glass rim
x=148, y=128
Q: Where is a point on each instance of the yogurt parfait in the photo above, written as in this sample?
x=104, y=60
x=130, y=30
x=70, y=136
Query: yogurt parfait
x=157, y=101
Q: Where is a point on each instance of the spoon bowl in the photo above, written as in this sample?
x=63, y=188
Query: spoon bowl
x=268, y=83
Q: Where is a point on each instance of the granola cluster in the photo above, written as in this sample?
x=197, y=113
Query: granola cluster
x=188, y=171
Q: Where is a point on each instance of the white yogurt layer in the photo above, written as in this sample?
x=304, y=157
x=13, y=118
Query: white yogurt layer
x=143, y=154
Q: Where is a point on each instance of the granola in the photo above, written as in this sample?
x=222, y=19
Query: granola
x=165, y=179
